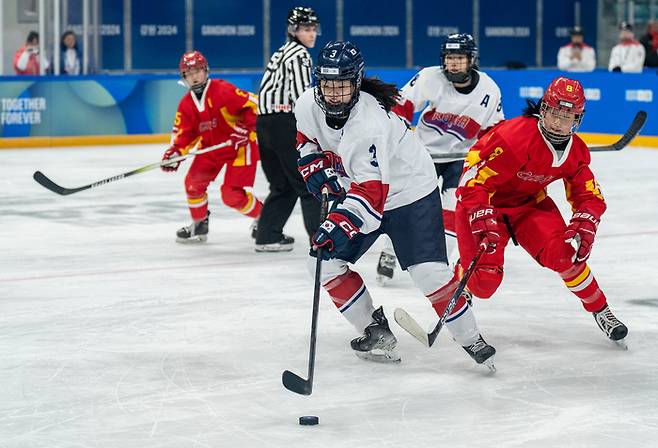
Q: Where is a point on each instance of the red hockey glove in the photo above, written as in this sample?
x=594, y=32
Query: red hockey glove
x=484, y=227
x=335, y=233
x=317, y=172
x=170, y=154
x=580, y=233
x=239, y=137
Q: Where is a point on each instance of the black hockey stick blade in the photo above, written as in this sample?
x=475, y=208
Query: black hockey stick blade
x=44, y=181
x=633, y=130
x=296, y=383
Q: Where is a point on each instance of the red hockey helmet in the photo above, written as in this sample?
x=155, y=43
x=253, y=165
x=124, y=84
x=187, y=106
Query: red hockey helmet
x=565, y=94
x=192, y=59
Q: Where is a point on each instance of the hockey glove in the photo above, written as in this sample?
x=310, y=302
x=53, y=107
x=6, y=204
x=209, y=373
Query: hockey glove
x=335, y=233
x=580, y=233
x=317, y=172
x=239, y=137
x=170, y=154
x=485, y=227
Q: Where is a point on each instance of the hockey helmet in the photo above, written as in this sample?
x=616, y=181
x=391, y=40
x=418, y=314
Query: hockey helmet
x=563, y=97
x=459, y=43
x=192, y=59
x=338, y=61
x=301, y=15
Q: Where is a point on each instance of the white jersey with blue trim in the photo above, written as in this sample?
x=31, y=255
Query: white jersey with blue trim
x=451, y=122
x=383, y=161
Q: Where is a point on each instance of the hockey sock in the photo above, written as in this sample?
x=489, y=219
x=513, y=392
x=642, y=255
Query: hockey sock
x=352, y=298
x=462, y=325
x=198, y=207
x=241, y=200
x=580, y=281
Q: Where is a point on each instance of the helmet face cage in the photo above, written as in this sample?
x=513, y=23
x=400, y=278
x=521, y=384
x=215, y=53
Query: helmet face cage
x=193, y=60
x=300, y=16
x=459, y=44
x=562, y=113
x=338, y=61
x=564, y=99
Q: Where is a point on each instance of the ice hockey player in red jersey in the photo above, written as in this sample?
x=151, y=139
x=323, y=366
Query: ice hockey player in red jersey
x=212, y=112
x=502, y=195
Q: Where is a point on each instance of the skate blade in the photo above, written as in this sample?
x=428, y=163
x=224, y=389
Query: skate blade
x=192, y=240
x=489, y=363
x=621, y=344
x=273, y=248
x=383, y=280
x=380, y=356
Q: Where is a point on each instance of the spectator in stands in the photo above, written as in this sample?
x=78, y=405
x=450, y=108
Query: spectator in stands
x=27, y=60
x=71, y=59
x=576, y=56
x=650, y=43
x=628, y=55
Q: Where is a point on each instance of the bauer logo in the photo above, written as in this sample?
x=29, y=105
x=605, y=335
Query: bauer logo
x=642, y=95
x=329, y=70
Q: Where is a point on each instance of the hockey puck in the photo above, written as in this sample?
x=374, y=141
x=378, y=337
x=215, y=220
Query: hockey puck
x=308, y=420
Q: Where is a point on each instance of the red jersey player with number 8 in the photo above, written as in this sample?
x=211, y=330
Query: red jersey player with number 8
x=213, y=112
x=502, y=195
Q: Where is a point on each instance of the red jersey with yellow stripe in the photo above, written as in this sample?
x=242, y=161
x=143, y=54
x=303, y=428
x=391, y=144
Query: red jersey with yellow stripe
x=511, y=166
x=212, y=119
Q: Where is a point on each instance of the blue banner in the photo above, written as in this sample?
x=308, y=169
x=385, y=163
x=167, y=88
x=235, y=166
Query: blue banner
x=378, y=28
x=325, y=10
x=559, y=19
x=230, y=33
x=158, y=34
x=146, y=104
x=508, y=33
x=432, y=25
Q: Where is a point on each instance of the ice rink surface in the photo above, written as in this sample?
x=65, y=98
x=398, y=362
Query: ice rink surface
x=112, y=335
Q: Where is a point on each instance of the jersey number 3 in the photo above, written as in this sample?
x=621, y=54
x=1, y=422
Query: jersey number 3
x=373, y=150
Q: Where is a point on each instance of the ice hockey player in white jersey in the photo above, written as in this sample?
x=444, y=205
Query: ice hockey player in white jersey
x=347, y=133
x=459, y=104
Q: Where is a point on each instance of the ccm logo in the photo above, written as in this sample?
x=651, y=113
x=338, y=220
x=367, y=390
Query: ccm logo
x=348, y=228
x=311, y=168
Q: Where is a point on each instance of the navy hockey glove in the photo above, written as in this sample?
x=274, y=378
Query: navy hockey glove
x=335, y=233
x=581, y=233
x=317, y=172
x=170, y=154
x=485, y=227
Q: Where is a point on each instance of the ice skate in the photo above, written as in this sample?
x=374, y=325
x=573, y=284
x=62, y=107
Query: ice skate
x=610, y=325
x=482, y=353
x=197, y=232
x=285, y=244
x=385, y=268
x=377, y=342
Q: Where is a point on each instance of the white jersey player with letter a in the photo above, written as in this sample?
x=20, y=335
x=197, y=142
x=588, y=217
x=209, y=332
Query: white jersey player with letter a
x=451, y=121
x=458, y=104
x=346, y=128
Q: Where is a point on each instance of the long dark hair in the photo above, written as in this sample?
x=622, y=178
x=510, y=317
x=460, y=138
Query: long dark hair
x=531, y=108
x=387, y=94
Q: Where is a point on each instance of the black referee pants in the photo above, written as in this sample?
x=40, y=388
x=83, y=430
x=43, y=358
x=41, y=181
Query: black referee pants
x=277, y=142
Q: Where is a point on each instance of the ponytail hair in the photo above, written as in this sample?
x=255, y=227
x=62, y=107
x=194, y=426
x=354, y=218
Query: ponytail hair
x=387, y=94
x=532, y=108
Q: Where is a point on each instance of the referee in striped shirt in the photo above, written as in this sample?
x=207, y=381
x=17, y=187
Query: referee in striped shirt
x=287, y=75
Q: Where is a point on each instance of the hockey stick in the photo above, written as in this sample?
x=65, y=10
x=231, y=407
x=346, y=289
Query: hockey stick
x=52, y=186
x=632, y=132
x=292, y=381
x=629, y=135
x=409, y=324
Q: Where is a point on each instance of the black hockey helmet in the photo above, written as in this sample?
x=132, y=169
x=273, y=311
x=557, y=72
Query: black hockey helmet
x=338, y=61
x=301, y=15
x=460, y=43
